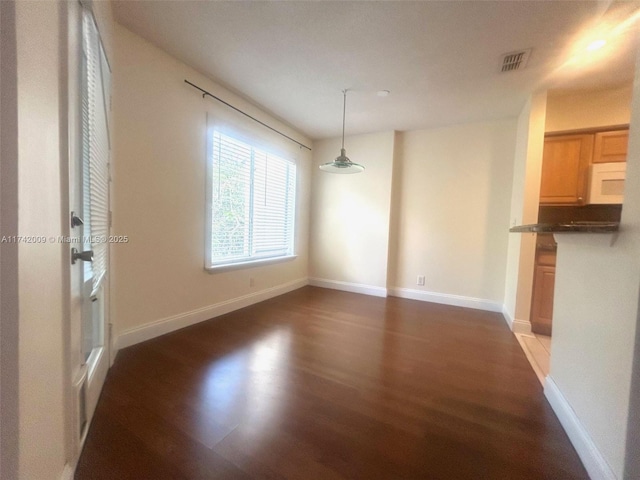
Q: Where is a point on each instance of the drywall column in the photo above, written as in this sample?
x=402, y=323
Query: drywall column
x=525, y=195
x=594, y=328
x=396, y=211
x=41, y=322
x=9, y=425
x=632, y=459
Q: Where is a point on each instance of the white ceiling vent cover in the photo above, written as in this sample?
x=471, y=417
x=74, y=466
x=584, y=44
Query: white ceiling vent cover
x=515, y=60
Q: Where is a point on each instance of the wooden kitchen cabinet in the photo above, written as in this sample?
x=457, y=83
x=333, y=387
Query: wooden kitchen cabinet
x=565, y=165
x=610, y=146
x=543, y=286
x=542, y=301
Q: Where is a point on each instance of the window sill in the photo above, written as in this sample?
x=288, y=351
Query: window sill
x=249, y=264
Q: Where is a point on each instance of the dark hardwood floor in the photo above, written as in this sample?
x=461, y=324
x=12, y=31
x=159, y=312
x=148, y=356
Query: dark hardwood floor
x=322, y=384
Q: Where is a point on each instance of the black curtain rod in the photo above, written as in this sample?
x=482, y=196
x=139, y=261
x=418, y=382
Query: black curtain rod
x=205, y=93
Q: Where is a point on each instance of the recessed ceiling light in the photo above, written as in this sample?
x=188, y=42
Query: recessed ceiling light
x=383, y=93
x=596, y=44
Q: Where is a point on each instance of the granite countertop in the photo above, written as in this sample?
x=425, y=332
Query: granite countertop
x=571, y=227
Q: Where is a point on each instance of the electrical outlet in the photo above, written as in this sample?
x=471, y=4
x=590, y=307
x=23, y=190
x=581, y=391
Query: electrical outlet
x=420, y=280
x=252, y=282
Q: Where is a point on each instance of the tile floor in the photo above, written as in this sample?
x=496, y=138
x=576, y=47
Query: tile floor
x=537, y=348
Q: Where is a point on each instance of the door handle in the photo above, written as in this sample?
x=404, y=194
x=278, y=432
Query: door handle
x=86, y=256
x=76, y=221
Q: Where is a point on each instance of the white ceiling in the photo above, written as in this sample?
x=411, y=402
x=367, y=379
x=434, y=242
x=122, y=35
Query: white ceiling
x=441, y=60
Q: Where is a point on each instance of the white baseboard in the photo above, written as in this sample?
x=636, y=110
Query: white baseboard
x=517, y=325
x=521, y=326
x=507, y=318
x=446, y=299
x=593, y=461
x=68, y=473
x=349, y=287
x=176, y=322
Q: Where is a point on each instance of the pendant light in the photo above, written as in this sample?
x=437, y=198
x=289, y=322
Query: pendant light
x=342, y=164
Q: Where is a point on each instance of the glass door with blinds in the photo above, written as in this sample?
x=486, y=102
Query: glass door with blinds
x=89, y=204
x=95, y=185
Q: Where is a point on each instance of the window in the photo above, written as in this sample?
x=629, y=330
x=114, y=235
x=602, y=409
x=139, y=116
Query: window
x=251, y=203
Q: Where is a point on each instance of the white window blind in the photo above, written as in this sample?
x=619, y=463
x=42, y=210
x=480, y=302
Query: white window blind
x=95, y=151
x=252, y=203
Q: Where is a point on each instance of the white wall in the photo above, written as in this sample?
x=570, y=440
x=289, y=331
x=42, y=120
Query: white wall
x=431, y=202
x=525, y=195
x=158, y=279
x=350, y=215
x=41, y=322
x=595, y=322
x=588, y=109
x=453, y=196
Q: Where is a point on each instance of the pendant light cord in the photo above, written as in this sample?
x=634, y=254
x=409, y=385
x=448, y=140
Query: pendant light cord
x=344, y=112
x=341, y=164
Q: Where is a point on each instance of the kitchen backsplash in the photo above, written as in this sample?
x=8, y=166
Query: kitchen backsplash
x=596, y=213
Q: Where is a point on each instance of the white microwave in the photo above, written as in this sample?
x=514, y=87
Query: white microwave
x=606, y=182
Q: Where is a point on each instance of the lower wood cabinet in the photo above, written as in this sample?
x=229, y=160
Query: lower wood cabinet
x=543, y=286
x=542, y=301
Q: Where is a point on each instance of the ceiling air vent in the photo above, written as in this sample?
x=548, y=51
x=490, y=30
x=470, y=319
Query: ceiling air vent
x=515, y=60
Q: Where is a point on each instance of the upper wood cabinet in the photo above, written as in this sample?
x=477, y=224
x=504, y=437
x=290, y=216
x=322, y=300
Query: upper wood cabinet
x=566, y=160
x=610, y=146
x=565, y=164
